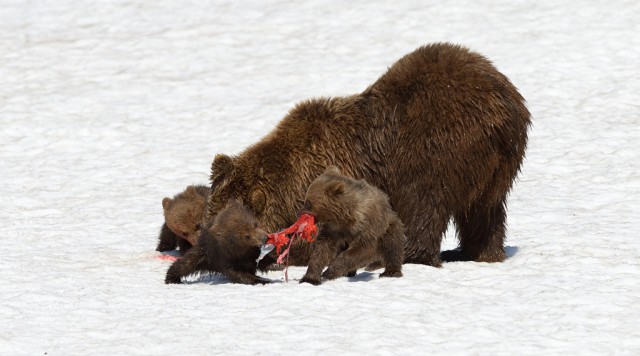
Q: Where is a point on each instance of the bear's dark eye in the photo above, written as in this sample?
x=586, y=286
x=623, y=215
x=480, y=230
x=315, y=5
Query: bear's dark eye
x=247, y=238
x=198, y=226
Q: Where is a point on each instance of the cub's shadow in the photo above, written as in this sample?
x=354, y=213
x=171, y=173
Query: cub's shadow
x=511, y=251
x=217, y=279
x=211, y=279
x=456, y=255
x=362, y=277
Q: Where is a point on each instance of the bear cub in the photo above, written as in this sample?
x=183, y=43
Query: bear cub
x=229, y=245
x=357, y=227
x=182, y=217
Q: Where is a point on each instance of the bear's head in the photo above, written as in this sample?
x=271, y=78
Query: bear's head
x=183, y=214
x=266, y=186
x=235, y=230
x=334, y=199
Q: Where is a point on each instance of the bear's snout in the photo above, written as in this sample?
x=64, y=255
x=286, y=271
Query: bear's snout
x=261, y=236
x=306, y=208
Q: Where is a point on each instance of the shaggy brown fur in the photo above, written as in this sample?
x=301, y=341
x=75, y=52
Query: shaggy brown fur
x=229, y=245
x=356, y=228
x=442, y=132
x=182, y=217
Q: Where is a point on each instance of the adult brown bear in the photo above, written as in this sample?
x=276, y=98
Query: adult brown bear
x=442, y=132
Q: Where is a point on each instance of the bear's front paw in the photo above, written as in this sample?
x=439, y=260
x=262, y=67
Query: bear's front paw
x=162, y=247
x=172, y=279
x=259, y=280
x=374, y=266
x=330, y=274
x=310, y=280
x=395, y=274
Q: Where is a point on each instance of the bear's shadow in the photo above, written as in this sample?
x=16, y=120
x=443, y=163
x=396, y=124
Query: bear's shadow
x=216, y=279
x=450, y=255
x=362, y=277
x=211, y=279
x=511, y=251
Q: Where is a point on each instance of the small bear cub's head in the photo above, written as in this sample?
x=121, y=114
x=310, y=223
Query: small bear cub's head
x=235, y=229
x=333, y=198
x=184, y=212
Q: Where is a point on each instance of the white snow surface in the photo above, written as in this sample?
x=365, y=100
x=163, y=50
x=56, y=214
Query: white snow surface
x=106, y=107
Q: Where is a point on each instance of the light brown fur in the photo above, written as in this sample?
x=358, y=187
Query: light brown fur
x=356, y=228
x=183, y=215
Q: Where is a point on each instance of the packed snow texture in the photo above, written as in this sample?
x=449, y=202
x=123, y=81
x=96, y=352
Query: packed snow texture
x=107, y=107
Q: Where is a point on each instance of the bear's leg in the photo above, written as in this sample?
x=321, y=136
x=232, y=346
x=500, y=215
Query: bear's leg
x=392, y=250
x=374, y=266
x=192, y=262
x=425, y=236
x=184, y=245
x=321, y=254
x=358, y=255
x=481, y=230
x=167, y=239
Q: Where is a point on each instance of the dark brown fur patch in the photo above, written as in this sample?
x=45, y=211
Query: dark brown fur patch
x=229, y=245
x=442, y=132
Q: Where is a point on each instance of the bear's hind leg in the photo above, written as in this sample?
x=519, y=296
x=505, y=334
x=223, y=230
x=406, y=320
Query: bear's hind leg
x=190, y=263
x=481, y=230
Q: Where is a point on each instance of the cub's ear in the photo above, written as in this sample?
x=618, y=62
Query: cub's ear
x=221, y=167
x=165, y=203
x=333, y=170
x=335, y=188
x=191, y=191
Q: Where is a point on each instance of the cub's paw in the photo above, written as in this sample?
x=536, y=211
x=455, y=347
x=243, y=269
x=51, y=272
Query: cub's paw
x=395, y=274
x=330, y=274
x=374, y=266
x=259, y=280
x=310, y=280
x=172, y=279
x=162, y=247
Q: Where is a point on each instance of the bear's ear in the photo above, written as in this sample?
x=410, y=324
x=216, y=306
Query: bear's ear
x=165, y=203
x=333, y=170
x=222, y=165
x=222, y=171
x=335, y=188
x=191, y=191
